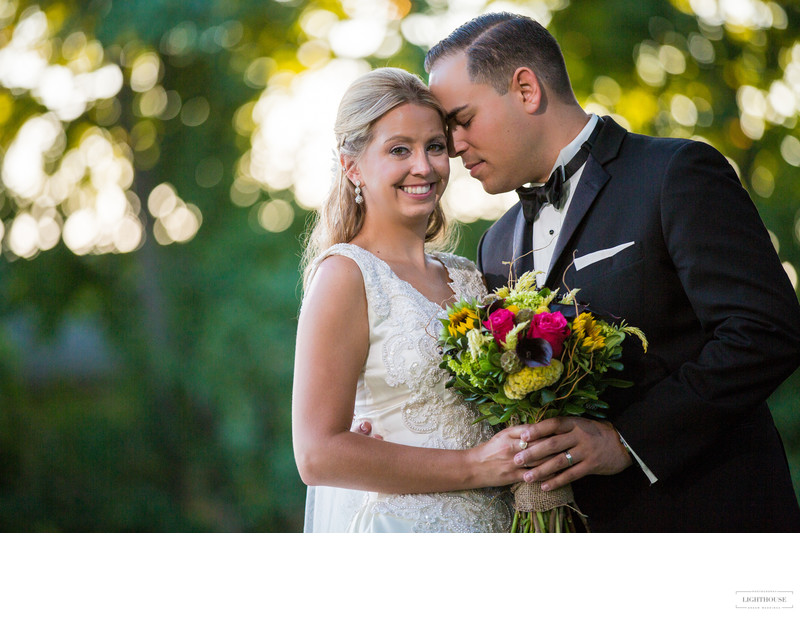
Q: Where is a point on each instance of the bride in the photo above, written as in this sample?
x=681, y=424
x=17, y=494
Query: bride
x=366, y=338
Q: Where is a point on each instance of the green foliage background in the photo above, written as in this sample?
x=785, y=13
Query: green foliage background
x=151, y=391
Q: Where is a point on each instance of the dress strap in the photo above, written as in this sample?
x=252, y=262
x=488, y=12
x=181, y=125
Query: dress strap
x=375, y=273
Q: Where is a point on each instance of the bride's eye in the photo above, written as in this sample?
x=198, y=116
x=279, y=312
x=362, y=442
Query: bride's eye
x=399, y=150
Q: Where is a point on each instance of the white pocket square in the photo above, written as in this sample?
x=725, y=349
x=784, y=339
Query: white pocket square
x=589, y=259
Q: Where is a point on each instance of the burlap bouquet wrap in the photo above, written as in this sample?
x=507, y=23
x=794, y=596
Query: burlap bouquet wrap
x=529, y=497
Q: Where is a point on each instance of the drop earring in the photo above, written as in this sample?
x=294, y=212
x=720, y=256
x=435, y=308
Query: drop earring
x=359, y=199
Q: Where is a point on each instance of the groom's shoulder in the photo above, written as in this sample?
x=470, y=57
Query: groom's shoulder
x=508, y=220
x=650, y=154
x=636, y=144
x=616, y=141
x=499, y=235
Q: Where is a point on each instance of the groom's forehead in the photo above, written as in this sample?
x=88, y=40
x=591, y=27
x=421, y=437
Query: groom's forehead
x=450, y=82
x=451, y=68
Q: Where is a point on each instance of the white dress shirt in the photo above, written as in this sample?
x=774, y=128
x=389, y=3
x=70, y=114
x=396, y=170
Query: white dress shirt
x=548, y=223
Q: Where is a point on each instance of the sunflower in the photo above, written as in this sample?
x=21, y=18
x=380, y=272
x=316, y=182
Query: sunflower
x=589, y=332
x=462, y=321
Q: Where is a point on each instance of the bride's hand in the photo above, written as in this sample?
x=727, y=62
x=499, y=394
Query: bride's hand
x=493, y=461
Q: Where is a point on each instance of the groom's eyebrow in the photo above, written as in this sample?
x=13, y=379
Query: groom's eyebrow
x=452, y=114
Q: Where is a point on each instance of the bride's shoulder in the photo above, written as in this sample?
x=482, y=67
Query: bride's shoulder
x=336, y=257
x=359, y=255
x=454, y=261
x=336, y=271
x=466, y=279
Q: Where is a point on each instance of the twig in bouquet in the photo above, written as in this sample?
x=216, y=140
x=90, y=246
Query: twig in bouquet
x=564, y=281
x=511, y=279
x=571, y=372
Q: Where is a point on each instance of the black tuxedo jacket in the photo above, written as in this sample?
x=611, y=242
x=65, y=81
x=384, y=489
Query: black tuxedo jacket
x=661, y=233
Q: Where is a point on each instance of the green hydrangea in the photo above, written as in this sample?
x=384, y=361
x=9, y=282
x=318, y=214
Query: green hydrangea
x=467, y=368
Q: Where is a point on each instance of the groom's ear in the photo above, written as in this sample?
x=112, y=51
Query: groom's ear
x=526, y=86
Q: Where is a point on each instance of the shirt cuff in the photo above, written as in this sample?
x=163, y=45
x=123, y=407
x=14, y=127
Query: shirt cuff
x=650, y=476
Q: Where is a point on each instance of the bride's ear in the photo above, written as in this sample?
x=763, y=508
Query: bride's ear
x=350, y=168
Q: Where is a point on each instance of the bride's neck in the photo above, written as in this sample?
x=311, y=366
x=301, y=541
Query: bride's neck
x=393, y=246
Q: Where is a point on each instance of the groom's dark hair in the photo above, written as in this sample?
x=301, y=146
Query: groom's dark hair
x=497, y=44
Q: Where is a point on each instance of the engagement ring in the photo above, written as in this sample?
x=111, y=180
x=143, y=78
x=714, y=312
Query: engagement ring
x=569, y=457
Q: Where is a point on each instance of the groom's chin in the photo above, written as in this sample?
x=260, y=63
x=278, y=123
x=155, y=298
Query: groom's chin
x=495, y=187
x=491, y=186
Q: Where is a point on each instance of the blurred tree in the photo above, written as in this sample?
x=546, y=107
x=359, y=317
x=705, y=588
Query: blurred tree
x=157, y=161
x=185, y=426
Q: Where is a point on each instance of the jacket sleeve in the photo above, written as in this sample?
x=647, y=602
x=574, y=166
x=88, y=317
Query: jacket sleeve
x=744, y=301
x=479, y=260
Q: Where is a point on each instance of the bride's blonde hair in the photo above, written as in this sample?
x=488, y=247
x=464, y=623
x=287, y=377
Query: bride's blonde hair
x=367, y=99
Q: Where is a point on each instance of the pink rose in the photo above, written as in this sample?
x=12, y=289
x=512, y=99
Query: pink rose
x=500, y=323
x=552, y=327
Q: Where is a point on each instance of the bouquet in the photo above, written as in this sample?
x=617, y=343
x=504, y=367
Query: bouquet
x=523, y=354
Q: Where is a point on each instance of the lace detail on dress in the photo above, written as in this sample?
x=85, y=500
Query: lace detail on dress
x=460, y=511
x=402, y=391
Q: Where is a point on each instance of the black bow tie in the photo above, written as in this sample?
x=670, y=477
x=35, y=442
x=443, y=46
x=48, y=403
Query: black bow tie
x=533, y=198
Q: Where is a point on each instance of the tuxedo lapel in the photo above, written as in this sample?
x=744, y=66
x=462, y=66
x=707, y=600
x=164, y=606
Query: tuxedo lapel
x=593, y=179
x=522, y=256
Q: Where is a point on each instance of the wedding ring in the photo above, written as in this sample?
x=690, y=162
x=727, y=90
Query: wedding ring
x=523, y=444
x=569, y=457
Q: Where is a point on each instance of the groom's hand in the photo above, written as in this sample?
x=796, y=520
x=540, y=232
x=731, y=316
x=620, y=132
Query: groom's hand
x=564, y=449
x=365, y=428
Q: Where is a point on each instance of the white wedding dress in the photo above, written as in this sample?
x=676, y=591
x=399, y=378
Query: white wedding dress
x=401, y=392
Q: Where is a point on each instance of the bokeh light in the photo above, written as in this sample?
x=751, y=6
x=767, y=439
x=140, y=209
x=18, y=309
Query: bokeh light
x=791, y=272
x=76, y=194
x=195, y=111
x=175, y=220
x=739, y=13
x=790, y=150
x=66, y=90
x=275, y=215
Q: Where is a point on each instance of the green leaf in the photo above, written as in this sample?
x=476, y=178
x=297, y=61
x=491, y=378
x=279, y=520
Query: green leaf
x=574, y=409
x=550, y=413
x=547, y=396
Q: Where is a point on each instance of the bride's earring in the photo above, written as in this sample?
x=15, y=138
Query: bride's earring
x=359, y=199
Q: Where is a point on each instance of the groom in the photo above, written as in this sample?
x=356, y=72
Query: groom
x=658, y=232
